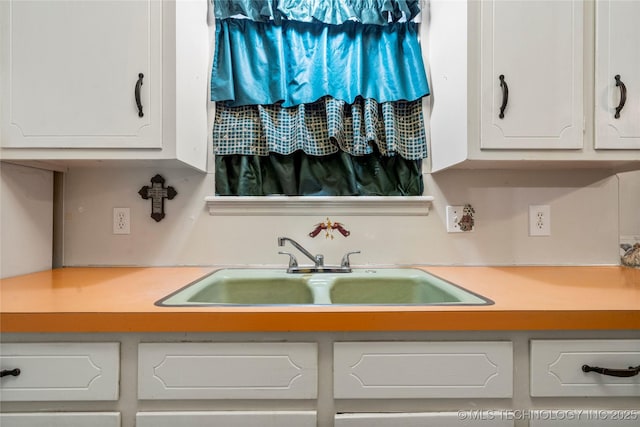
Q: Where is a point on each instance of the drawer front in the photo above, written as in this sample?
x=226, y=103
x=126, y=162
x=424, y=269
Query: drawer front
x=60, y=371
x=423, y=369
x=227, y=419
x=556, y=367
x=227, y=371
x=427, y=419
x=61, y=419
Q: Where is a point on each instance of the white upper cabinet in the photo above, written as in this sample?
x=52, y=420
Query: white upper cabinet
x=542, y=112
x=75, y=69
x=617, y=95
x=104, y=80
x=531, y=74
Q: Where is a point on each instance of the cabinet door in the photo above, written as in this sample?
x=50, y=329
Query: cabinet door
x=227, y=371
x=227, y=419
x=60, y=371
x=617, y=97
x=446, y=369
x=72, y=73
x=61, y=419
x=463, y=418
x=557, y=368
x=536, y=46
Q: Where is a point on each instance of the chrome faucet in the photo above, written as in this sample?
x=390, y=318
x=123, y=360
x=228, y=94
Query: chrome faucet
x=318, y=260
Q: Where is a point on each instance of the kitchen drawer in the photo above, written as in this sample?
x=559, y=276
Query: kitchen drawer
x=227, y=419
x=60, y=371
x=422, y=369
x=556, y=367
x=427, y=419
x=61, y=419
x=227, y=371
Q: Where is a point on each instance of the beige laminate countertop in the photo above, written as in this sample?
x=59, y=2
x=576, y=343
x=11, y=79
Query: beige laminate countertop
x=115, y=299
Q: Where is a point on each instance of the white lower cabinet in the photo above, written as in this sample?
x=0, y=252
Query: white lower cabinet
x=432, y=419
x=59, y=419
x=227, y=419
x=422, y=369
x=585, y=368
x=227, y=371
x=59, y=371
x=279, y=383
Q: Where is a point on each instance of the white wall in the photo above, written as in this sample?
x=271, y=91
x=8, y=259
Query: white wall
x=630, y=207
x=26, y=219
x=584, y=211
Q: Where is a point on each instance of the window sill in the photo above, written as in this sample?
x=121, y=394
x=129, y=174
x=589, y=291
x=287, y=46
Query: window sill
x=313, y=205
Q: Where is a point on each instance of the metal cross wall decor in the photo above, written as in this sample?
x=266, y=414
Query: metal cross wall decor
x=157, y=193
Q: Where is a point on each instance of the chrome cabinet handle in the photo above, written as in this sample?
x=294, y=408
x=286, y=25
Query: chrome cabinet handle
x=137, y=94
x=623, y=95
x=13, y=372
x=631, y=372
x=505, y=95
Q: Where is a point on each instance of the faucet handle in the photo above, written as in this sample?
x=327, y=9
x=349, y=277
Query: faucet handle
x=345, y=259
x=293, y=262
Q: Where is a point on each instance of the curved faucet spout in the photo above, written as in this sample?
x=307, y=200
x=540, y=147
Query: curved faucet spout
x=318, y=260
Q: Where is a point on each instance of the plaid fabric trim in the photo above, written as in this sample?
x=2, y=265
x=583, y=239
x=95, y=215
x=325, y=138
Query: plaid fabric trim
x=322, y=128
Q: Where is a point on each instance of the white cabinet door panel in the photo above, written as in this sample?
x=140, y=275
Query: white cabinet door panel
x=72, y=69
x=422, y=369
x=227, y=419
x=556, y=367
x=61, y=419
x=60, y=371
x=227, y=371
x=537, y=46
x=617, y=54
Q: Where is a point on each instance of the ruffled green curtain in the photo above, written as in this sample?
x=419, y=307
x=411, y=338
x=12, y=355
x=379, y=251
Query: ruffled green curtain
x=318, y=97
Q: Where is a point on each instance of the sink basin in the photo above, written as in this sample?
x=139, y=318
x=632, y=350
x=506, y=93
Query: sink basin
x=243, y=287
x=393, y=286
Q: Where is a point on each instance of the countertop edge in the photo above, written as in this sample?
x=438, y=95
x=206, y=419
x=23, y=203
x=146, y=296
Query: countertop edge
x=319, y=321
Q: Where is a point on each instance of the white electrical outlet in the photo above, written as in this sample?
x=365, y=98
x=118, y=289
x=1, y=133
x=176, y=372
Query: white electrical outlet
x=539, y=220
x=454, y=215
x=121, y=221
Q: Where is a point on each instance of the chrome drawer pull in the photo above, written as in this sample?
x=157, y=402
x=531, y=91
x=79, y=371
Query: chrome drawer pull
x=14, y=372
x=631, y=372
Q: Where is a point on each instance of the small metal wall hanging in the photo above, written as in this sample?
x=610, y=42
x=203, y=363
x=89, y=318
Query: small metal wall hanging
x=157, y=192
x=467, y=222
x=328, y=226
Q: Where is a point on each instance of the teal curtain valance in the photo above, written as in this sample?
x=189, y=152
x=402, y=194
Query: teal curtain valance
x=258, y=63
x=335, y=12
x=322, y=128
